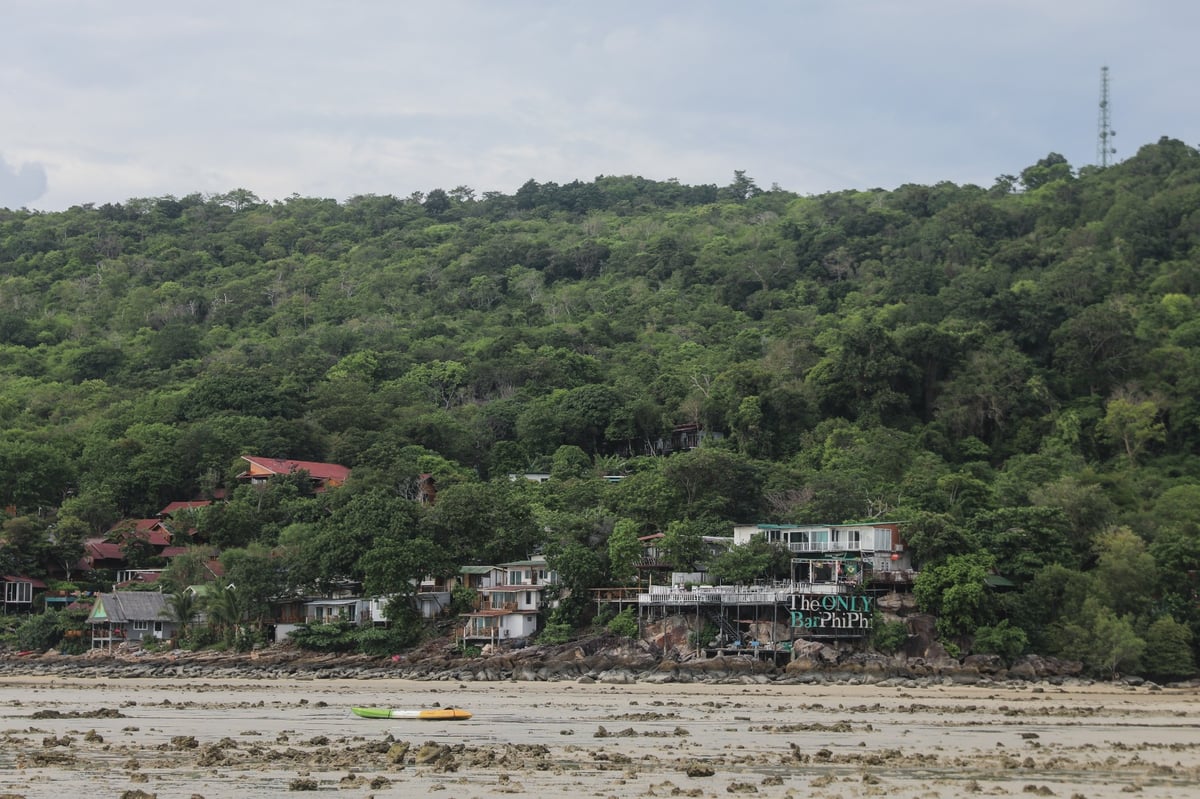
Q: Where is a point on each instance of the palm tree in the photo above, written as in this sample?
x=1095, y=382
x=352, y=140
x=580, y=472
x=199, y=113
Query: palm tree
x=183, y=607
x=225, y=611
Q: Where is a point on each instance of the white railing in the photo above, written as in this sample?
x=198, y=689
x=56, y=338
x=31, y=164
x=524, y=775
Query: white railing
x=827, y=546
x=739, y=594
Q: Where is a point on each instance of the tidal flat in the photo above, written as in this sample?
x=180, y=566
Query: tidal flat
x=100, y=738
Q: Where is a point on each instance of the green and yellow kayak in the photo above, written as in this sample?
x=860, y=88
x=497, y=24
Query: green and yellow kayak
x=430, y=714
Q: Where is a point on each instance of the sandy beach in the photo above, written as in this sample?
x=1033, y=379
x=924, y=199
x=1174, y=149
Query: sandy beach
x=254, y=738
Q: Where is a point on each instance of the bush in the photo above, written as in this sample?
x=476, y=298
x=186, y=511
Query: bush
x=197, y=637
x=623, y=624
x=73, y=645
x=1169, y=649
x=337, y=636
x=556, y=633
x=888, y=636
x=1007, y=642
x=41, y=632
x=707, y=634
x=8, y=629
x=246, y=638
x=402, y=634
x=463, y=599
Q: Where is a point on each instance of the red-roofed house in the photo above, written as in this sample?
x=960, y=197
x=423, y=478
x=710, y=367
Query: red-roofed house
x=18, y=592
x=323, y=475
x=101, y=554
x=178, y=505
x=151, y=531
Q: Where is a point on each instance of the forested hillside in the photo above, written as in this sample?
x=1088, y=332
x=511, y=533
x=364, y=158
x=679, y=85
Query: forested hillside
x=1013, y=371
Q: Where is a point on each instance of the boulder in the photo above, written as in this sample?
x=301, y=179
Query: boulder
x=984, y=664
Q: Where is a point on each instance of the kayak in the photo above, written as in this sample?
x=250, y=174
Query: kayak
x=431, y=714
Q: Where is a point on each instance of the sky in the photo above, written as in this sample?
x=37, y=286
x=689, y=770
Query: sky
x=104, y=102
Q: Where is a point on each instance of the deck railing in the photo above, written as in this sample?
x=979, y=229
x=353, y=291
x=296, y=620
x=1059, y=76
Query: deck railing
x=738, y=595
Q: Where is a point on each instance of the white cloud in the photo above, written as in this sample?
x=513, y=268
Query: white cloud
x=21, y=185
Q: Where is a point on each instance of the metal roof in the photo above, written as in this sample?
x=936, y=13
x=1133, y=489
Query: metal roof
x=123, y=606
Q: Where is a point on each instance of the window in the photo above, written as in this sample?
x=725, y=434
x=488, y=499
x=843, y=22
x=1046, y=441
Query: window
x=18, y=592
x=853, y=537
x=528, y=597
x=883, y=538
x=141, y=625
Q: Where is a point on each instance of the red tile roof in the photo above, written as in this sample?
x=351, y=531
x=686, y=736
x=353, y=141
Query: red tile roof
x=99, y=549
x=318, y=471
x=20, y=578
x=184, y=505
x=148, y=530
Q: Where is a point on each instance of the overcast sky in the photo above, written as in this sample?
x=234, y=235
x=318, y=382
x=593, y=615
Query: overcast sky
x=104, y=101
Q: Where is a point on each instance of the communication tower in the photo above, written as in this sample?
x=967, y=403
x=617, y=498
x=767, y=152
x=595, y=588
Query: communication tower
x=1104, y=147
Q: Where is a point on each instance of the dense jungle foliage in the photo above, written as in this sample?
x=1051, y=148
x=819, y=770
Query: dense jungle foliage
x=1011, y=371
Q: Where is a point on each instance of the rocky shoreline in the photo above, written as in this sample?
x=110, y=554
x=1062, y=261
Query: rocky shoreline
x=603, y=659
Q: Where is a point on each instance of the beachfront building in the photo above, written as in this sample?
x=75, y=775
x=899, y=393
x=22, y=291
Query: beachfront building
x=130, y=616
x=507, y=610
x=838, y=574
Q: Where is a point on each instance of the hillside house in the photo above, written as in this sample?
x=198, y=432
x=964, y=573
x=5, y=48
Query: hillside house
x=179, y=507
x=839, y=573
x=19, y=591
x=130, y=616
x=656, y=565
x=508, y=610
x=180, y=519
x=476, y=577
x=324, y=476
x=100, y=554
x=871, y=553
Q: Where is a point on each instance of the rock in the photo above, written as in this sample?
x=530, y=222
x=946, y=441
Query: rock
x=984, y=664
x=397, y=752
x=429, y=752
x=616, y=677
x=1023, y=669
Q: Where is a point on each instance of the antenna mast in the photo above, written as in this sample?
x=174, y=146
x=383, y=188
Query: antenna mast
x=1103, y=148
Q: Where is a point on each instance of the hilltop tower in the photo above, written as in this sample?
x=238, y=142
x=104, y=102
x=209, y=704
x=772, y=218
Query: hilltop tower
x=1104, y=147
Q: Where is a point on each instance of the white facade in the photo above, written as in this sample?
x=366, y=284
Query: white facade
x=327, y=611
x=508, y=610
x=878, y=544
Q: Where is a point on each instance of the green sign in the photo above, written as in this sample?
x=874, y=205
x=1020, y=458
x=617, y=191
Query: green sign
x=832, y=612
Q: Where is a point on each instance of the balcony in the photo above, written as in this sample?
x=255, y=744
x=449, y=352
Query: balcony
x=508, y=607
x=740, y=595
x=828, y=546
x=897, y=577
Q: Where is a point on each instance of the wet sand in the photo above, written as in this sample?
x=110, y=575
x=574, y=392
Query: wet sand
x=66, y=737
